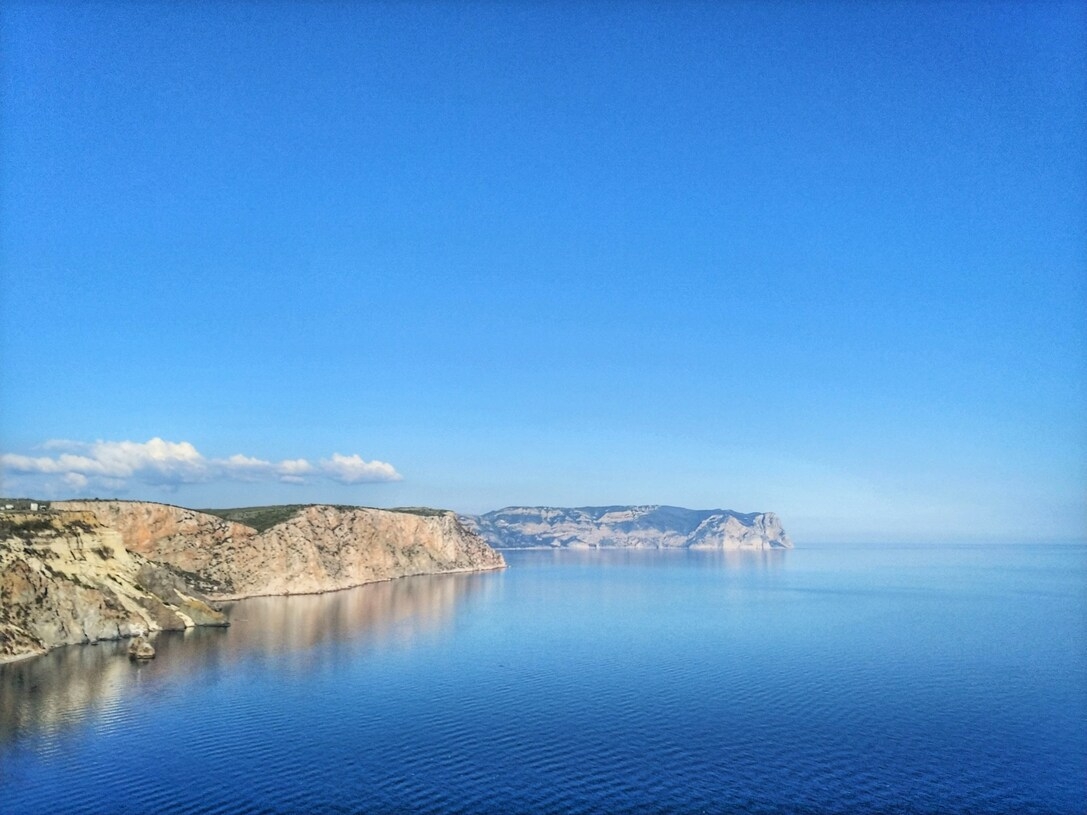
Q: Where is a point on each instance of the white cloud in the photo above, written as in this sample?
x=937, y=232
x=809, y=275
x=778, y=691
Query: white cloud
x=242, y=463
x=114, y=464
x=155, y=461
x=294, y=467
x=353, y=470
x=75, y=481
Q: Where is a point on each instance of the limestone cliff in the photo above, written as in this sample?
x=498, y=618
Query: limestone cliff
x=324, y=548
x=65, y=578
x=638, y=527
x=191, y=541
x=319, y=548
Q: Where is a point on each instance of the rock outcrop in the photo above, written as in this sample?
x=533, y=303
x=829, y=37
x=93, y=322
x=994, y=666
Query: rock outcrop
x=65, y=578
x=318, y=549
x=636, y=527
x=192, y=542
x=324, y=548
x=140, y=648
x=91, y=570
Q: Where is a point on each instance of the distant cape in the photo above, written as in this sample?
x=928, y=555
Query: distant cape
x=632, y=527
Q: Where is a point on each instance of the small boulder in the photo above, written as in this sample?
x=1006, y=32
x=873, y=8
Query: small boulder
x=140, y=649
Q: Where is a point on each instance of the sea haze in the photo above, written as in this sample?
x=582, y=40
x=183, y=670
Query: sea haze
x=819, y=680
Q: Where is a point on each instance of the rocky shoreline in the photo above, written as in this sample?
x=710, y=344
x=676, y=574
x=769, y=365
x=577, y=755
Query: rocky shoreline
x=95, y=570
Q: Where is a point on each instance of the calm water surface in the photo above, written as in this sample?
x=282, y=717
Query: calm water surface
x=821, y=680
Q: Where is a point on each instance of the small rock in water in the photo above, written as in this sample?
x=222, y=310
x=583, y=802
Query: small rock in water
x=140, y=648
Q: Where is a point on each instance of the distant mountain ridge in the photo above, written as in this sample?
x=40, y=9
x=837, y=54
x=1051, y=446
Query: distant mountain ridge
x=634, y=527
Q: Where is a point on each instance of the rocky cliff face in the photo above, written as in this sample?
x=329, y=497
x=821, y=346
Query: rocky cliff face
x=324, y=548
x=320, y=548
x=191, y=541
x=94, y=570
x=638, y=527
x=65, y=579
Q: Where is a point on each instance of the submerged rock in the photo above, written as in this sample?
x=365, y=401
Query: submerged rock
x=140, y=648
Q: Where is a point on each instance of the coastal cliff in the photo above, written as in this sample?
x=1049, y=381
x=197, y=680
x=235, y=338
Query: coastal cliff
x=91, y=570
x=192, y=541
x=316, y=549
x=635, y=527
x=65, y=578
x=323, y=548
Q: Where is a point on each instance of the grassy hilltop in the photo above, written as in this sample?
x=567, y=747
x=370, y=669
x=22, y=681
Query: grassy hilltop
x=259, y=518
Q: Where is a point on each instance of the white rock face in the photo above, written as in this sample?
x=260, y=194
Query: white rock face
x=635, y=527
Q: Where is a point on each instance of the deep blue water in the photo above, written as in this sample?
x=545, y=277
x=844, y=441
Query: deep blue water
x=819, y=680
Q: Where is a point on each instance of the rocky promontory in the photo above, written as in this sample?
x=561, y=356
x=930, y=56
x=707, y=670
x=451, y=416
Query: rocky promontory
x=633, y=527
x=90, y=570
x=318, y=548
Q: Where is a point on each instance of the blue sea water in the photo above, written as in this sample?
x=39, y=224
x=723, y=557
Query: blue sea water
x=835, y=679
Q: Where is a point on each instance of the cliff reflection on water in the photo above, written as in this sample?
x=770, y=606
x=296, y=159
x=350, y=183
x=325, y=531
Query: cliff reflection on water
x=49, y=694
x=397, y=609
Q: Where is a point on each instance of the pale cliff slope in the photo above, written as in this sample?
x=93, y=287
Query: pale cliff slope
x=320, y=548
x=636, y=527
x=65, y=579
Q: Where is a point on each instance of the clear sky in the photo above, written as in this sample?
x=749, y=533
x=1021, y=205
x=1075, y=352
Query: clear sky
x=826, y=260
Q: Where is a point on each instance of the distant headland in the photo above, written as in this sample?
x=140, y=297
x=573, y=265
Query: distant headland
x=633, y=527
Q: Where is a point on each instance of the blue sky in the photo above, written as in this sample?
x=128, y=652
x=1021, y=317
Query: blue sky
x=826, y=260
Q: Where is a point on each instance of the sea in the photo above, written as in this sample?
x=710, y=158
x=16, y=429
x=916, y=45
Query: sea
x=824, y=679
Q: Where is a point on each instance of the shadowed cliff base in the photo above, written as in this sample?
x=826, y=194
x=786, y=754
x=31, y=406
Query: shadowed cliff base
x=65, y=579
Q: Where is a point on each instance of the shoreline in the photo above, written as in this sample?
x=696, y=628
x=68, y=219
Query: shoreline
x=7, y=660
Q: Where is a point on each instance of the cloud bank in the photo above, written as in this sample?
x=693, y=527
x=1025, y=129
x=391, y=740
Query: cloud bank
x=115, y=464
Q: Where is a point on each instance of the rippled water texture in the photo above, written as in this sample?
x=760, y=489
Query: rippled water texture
x=835, y=679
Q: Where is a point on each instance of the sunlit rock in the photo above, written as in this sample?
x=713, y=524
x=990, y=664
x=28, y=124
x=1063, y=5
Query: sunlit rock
x=634, y=527
x=140, y=649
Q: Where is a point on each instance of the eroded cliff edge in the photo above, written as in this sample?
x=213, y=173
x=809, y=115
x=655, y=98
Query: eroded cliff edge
x=65, y=579
x=90, y=570
x=634, y=527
